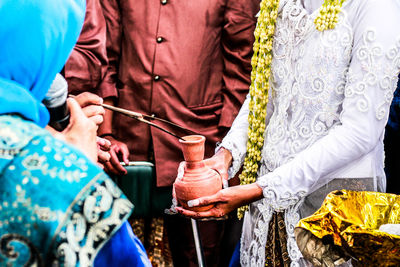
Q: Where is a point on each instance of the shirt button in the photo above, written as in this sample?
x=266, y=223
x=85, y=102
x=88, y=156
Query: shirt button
x=164, y=2
x=160, y=39
x=157, y=78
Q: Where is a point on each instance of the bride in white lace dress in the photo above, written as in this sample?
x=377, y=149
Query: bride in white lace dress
x=328, y=106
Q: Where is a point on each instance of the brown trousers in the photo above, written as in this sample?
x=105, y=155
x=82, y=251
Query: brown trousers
x=218, y=239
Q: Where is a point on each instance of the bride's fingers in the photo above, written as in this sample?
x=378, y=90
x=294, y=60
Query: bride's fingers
x=200, y=214
x=203, y=201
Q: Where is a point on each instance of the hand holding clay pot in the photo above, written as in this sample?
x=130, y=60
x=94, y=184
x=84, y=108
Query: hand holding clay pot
x=202, y=187
x=221, y=161
x=198, y=180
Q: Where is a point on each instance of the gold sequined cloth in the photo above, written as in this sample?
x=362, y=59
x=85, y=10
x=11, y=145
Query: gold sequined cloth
x=350, y=221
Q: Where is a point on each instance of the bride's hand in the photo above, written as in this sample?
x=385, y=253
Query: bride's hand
x=221, y=162
x=225, y=200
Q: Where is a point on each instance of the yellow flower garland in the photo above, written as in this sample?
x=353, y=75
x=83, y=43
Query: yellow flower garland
x=260, y=79
x=328, y=15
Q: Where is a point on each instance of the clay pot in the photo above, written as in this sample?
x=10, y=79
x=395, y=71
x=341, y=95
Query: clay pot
x=198, y=179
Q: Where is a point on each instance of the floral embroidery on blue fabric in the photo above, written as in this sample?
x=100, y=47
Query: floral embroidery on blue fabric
x=56, y=207
x=13, y=139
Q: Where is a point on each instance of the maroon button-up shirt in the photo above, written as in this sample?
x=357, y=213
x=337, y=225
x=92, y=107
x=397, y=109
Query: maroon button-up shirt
x=87, y=63
x=187, y=61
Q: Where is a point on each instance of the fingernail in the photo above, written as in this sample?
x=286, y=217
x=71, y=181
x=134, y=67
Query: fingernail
x=193, y=203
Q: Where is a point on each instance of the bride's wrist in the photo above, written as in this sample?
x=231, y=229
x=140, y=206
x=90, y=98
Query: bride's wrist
x=226, y=156
x=246, y=194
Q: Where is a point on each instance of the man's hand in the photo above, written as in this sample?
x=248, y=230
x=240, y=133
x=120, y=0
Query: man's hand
x=90, y=104
x=118, y=152
x=103, y=154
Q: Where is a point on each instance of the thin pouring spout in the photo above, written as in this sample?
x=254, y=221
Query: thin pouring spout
x=126, y=112
x=140, y=117
x=143, y=118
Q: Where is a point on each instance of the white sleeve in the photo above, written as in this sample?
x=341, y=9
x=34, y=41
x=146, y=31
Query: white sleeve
x=236, y=139
x=370, y=84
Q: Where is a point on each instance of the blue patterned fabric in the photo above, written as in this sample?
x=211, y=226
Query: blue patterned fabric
x=36, y=40
x=56, y=207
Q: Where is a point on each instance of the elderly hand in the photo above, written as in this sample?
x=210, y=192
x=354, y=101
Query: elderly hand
x=118, y=151
x=90, y=104
x=80, y=132
x=103, y=154
x=90, y=109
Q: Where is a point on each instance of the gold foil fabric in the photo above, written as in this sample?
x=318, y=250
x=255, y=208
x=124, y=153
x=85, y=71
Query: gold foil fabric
x=349, y=221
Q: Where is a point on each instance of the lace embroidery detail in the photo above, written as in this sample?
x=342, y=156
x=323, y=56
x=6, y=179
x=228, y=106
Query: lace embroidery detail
x=237, y=156
x=307, y=104
x=254, y=254
x=278, y=202
x=375, y=73
x=389, y=83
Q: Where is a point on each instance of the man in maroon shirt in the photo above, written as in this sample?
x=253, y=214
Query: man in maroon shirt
x=87, y=64
x=184, y=61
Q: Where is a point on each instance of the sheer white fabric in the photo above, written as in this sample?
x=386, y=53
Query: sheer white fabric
x=329, y=104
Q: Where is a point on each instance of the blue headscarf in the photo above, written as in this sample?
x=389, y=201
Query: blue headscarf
x=36, y=38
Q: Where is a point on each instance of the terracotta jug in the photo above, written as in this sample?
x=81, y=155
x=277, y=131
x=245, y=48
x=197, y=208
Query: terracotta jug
x=198, y=179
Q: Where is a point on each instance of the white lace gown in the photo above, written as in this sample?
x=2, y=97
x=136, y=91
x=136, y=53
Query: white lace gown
x=328, y=107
